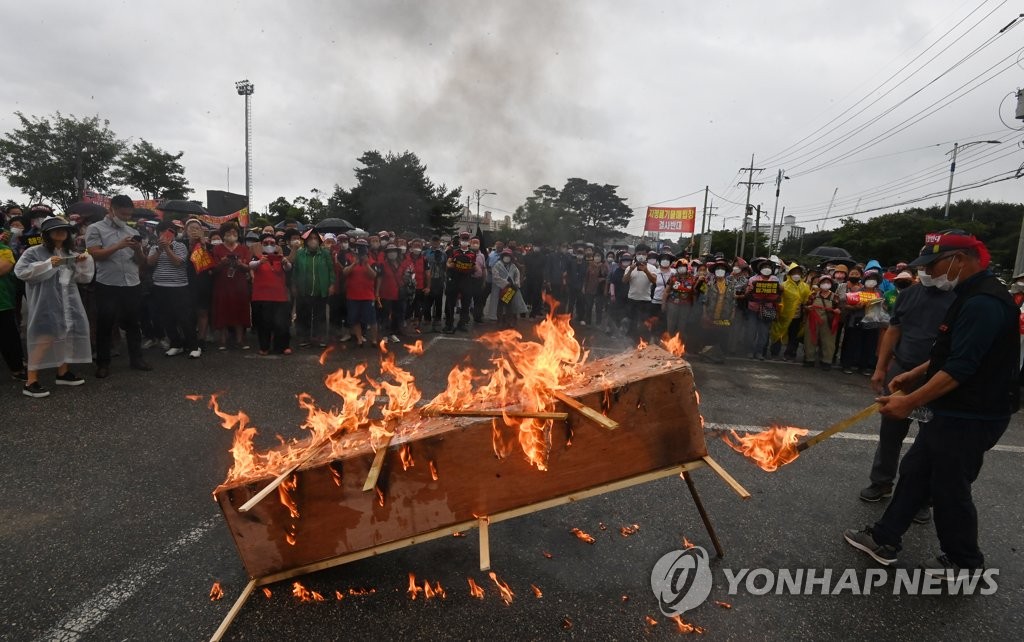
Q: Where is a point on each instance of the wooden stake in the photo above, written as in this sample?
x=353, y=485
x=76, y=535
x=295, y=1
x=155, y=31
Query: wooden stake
x=840, y=426
x=235, y=608
x=378, y=462
x=488, y=412
x=485, y=543
x=586, y=411
x=703, y=514
x=726, y=477
x=260, y=496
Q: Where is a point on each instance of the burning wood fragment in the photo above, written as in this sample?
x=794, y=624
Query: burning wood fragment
x=267, y=593
x=475, y=590
x=769, y=449
x=536, y=591
x=362, y=591
x=650, y=621
x=548, y=555
x=685, y=627
x=458, y=534
x=216, y=592
x=687, y=543
x=566, y=623
x=602, y=526
x=582, y=536
x=194, y=397
x=503, y=589
x=629, y=530
x=724, y=605
x=325, y=353
x=416, y=349
x=338, y=595
x=304, y=594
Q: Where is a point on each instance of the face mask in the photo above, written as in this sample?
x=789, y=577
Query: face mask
x=624, y=264
x=854, y=279
x=402, y=248
x=944, y=283
x=925, y=280
x=664, y=263
x=391, y=255
x=216, y=242
x=902, y=285
x=416, y=251
x=474, y=247
x=641, y=258
x=870, y=283
x=680, y=271
x=1020, y=283
x=313, y=245
x=766, y=271
x=269, y=249
x=720, y=273
x=295, y=243
x=735, y=270
x=796, y=278
x=16, y=231
x=464, y=244
x=506, y=259
x=230, y=238
x=825, y=286
x=652, y=261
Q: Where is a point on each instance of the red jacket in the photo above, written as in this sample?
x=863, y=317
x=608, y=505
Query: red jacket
x=418, y=266
x=268, y=282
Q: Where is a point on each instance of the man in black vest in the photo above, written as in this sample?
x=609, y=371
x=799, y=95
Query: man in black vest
x=971, y=389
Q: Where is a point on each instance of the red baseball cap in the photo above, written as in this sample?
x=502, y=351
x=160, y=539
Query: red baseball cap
x=938, y=244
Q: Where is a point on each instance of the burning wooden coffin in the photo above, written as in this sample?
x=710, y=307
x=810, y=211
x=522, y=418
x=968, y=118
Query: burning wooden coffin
x=440, y=474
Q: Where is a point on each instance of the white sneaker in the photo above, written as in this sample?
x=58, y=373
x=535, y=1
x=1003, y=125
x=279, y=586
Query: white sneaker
x=345, y=336
x=147, y=344
x=165, y=344
x=394, y=339
x=173, y=352
x=195, y=354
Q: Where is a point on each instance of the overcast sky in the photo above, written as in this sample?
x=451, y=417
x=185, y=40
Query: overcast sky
x=659, y=98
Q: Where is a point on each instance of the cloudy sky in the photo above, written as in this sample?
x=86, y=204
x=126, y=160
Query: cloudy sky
x=659, y=98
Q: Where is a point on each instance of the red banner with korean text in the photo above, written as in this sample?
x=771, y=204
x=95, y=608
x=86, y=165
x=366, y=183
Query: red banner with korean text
x=670, y=219
x=202, y=260
x=242, y=215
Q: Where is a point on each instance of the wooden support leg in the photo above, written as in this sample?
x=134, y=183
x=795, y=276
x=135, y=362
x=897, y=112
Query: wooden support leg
x=235, y=608
x=485, y=543
x=726, y=477
x=703, y=514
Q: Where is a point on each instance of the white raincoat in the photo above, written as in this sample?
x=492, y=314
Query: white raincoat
x=500, y=274
x=58, y=330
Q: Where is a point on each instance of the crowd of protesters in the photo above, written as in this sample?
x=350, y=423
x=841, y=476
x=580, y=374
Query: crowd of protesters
x=91, y=289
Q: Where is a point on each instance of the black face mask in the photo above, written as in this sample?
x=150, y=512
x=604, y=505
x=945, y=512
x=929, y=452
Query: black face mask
x=854, y=279
x=902, y=285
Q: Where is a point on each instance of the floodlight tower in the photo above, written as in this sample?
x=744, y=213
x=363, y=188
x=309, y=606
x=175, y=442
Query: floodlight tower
x=245, y=88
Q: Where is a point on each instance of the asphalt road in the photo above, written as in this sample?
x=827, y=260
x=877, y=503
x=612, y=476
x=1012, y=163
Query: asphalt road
x=108, y=529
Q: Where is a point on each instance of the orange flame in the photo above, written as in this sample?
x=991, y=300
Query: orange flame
x=724, y=605
x=325, y=353
x=362, y=591
x=383, y=345
x=629, y=530
x=536, y=591
x=304, y=594
x=284, y=494
x=458, y=534
x=686, y=627
x=687, y=543
x=642, y=345
x=338, y=595
x=503, y=589
x=769, y=449
x=194, y=397
x=475, y=590
x=405, y=455
x=548, y=555
x=435, y=591
x=673, y=344
x=413, y=589
x=433, y=471
x=582, y=536
x=380, y=496
x=267, y=593
x=650, y=620
x=416, y=349
x=216, y=592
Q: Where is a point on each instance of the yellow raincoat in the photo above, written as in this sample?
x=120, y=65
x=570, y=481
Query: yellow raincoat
x=793, y=296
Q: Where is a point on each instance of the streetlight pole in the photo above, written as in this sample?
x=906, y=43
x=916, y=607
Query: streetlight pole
x=952, y=166
x=79, y=179
x=246, y=88
x=778, y=185
x=480, y=193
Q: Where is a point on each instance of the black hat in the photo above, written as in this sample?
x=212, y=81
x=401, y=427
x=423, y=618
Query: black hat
x=55, y=223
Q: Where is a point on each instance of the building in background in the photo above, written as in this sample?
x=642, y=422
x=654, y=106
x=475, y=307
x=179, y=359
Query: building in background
x=220, y=203
x=467, y=222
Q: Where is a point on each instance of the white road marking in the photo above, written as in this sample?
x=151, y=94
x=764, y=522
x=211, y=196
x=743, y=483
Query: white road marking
x=855, y=436
x=89, y=614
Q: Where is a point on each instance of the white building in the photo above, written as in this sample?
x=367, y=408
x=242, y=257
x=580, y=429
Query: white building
x=467, y=222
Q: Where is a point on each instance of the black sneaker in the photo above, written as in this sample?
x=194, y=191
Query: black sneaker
x=923, y=516
x=69, y=379
x=21, y=375
x=35, y=390
x=945, y=568
x=876, y=492
x=863, y=541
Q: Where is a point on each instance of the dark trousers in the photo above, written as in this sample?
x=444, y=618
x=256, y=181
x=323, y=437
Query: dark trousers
x=891, y=433
x=420, y=308
x=761, y=334
x=584, y=307
x=392, y=316
x=271, y=319
x=460, y=288
x=479, y=297
x=10, y=341
x=532, y=289
x=119, y=305
x=943, y=462
x=149, y=316
x=859, y=348
x=336, y=309
x=434, y=304
x=311, y=317
x=791, y=339
x=177, y=315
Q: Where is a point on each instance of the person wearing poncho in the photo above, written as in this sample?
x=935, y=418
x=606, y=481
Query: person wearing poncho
x=821, y=324
x=788, y=325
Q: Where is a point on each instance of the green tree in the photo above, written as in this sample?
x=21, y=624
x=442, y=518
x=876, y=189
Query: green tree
x=595, y=211
x=543, y=218
x=393, y=191
x=281, y=209
x=152, y=171
x=41, y=156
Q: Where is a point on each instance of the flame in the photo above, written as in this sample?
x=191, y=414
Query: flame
x=589, y=539
x=475, y=590
x=629, y=530
x=325, y=353
x=380, y=496
x=642, y=345
x=304, y=594
x=503, y=589
x=362, y=591
x=383, y=345
x=536, y=591
x=433, y=470
x=625, y=598
x=687, y=543
x=769, y=449
x=216, y=592
x=413, y=589
x=436, y=591
x=267, y=593
x=458, y=534
x=650, y=620
x=194, y=397
x=284, y=494
x=686, y=627
x=673, y=344
x=405, y=454
x=548, y=555
x=724, y=605
x=338, y=595
x=416, y=349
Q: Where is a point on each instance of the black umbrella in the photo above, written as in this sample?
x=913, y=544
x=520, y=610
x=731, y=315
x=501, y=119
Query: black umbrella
x=334, y=225
x=302, y=227
x=828, y=252
x=88, y=211
x=182, y=207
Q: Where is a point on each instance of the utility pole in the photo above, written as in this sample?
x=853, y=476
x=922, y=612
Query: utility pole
x=1018, y=264
x=778, y=185
x=829, y=210
x=704, y=217
x=710, y=231
x=749, y=183
x=757, y=227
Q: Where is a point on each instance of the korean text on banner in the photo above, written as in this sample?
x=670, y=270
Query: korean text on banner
x=670, y=219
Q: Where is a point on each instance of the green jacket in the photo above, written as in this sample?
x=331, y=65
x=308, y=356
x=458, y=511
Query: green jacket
x=8, y=285
x=313, y=273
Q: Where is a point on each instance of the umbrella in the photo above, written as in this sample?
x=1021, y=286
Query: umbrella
x=301, y=226
x=828, y=252
x=88, y=211
x=183, y=207
x=334, y=225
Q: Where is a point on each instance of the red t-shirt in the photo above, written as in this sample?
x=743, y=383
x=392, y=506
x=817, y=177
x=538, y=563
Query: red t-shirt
x=268, y=280
x=390, y=281
x=359, y=285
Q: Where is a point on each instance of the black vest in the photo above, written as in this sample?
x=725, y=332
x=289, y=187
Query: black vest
x=993, y=390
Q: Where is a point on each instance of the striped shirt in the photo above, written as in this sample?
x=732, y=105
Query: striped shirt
x=167, y=274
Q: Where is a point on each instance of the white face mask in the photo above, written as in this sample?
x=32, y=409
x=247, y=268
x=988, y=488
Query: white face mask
x=1020, y=283
x=925, y=280
x=680, y=271
x=735, y=270
x=665, y=263
x=641, y=258
x=766, y=271
x=825, y=286
x=870, y=283
x=795, y=278
x=720, y=273
x=944, y=283
x=506, y=259
x=16, y=231
x=464, y=244
x=416, y=251
x=269, y=249
x=216, y=242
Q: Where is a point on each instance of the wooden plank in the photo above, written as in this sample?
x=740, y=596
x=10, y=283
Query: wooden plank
x=487, y=412
x=586, y=411
x=485, y=544
x=235, y=608
x=269, y=488
x=726, y=477
x=378, y=462
x=842, y=425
